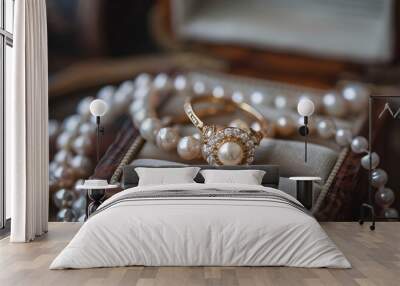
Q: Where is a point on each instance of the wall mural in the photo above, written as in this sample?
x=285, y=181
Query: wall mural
x=131, y=105
x=100, y=62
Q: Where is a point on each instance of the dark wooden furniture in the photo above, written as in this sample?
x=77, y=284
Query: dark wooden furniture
x=304, y=190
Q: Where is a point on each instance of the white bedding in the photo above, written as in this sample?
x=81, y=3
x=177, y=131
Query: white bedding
x=183, y=231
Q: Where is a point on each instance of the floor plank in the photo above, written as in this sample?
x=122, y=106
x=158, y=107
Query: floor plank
x=375, y=257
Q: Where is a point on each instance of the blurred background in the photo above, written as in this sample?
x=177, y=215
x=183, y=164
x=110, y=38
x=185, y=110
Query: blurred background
x=97, y=44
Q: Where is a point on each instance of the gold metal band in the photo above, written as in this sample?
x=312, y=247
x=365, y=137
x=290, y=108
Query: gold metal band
x=228, y=103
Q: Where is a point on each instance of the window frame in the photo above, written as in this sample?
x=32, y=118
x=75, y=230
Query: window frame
x=6, y=39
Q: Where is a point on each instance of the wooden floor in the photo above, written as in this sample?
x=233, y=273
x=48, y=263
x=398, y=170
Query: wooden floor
x=375, y=257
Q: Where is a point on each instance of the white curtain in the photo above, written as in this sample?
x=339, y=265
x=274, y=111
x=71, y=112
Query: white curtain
x=26, y=124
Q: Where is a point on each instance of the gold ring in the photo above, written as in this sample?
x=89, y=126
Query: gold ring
x=230, y=145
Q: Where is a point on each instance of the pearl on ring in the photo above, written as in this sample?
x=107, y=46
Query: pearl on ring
x=230, y=153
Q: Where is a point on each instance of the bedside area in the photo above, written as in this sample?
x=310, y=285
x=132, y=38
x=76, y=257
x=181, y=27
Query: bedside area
x=304, y=190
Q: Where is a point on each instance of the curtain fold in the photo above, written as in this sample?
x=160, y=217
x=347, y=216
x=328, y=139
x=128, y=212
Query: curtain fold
x=26, y=124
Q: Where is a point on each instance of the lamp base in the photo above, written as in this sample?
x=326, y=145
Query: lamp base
x=371, y=210
x=303, y=130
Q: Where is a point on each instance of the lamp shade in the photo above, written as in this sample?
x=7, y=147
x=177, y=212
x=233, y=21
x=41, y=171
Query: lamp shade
x=305, y=107
x=98, y=107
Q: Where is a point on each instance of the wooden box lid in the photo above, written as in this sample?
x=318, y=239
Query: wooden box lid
x=341, y=40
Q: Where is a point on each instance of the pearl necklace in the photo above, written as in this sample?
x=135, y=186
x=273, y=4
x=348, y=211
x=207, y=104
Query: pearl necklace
x=73, y=136
x=352, y=98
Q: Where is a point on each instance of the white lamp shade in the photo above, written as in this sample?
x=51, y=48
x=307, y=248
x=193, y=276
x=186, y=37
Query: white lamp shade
x=305, y=107
x=98, y=107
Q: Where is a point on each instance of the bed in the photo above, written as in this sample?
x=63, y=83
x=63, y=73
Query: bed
x=201, y=224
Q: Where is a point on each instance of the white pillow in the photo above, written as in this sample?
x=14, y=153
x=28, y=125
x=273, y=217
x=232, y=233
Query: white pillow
x=247, y=177
x=164, y=176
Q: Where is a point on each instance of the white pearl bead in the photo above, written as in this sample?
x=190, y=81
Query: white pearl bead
x=161, y=82
x=379, y=178
x=136, y=105
x=356, y=96
x=139, y=116
x=256, y=126
x=199, y=87
x=384, y=197
x=230, y=153
x=282, y=102
x=141, y=92
x=285, y=126
x=189, y=148
x=334, y=104
x=124, y=93
x=149, y=128
x=82, y=145
x=180, y=82
x=374, y=160
x=259, y=98
x=54, y=128
x=87, y=128
x=167, y=138
x=83, y=107
x=343, y=137
x=359, y=145
x=218, y=91
x=197, y=136
x=127, y=86
x=121, y=102
x=390, y=213
x=143, y=79
x=82, y=165
x=64, y=140
x=71, y=123
x=63, y=157
x=326, y=129
x=238, y=123
x=106, y=93
x=53, y=166
x=237, y=97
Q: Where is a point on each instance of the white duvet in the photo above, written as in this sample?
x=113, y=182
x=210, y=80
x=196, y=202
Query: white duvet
x=200, y=231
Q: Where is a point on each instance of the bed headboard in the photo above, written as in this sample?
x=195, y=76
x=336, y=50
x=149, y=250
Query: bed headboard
x=130, y=178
